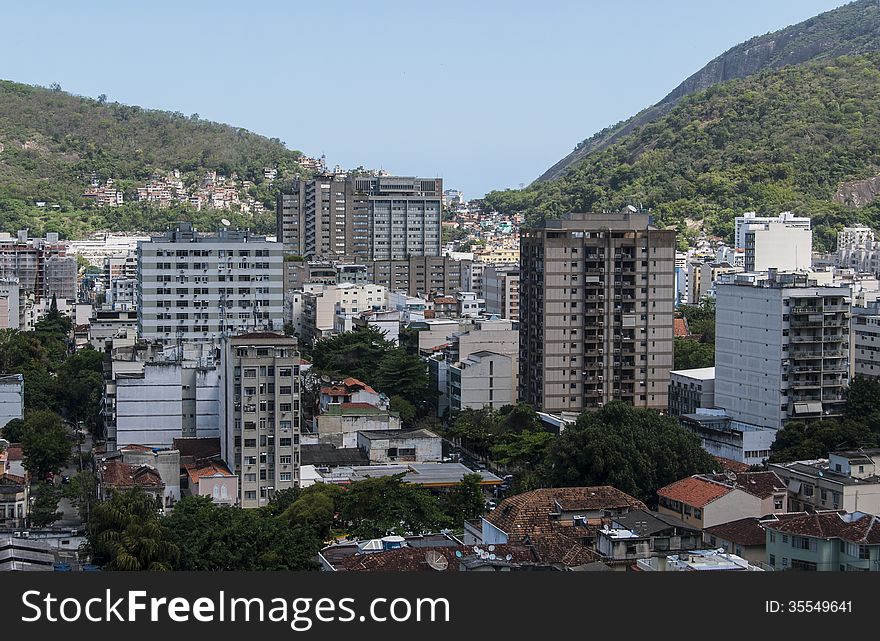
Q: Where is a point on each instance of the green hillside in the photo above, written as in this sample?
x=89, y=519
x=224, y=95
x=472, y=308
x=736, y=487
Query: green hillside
x=851, y=29
x=779, y=141
x=54, y=143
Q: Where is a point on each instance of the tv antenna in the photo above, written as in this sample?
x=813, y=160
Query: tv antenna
x=436, y=560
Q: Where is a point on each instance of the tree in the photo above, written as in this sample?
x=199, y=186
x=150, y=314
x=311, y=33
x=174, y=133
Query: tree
x=406, y=410
x=401, y=374
x=465, y=501
x=44, y=443
x=385, y=505
x=13, y=431
x=863, y=401
x=691, y=354
x=798, y=441
x=212, y=537
x=354, y=354
x=635, y=450
x=44, y=510
x=80, y=386
x=125, y=533
x=316, y=509
x=524, y=450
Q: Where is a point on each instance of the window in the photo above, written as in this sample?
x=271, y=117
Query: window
x=772, y=559
x=284, y=442
x=285, y=476
x=284, y=460
x=250, y=442
x=250, y=495
x=698, y=514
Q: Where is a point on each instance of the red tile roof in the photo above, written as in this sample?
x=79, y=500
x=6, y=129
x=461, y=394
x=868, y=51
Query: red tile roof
x=680, y=328
x=831, y=524
x=694, y=491
x=529, y=514
x=115, y=473
x=14, y=452
x=729, y=465
x=197, y=471
x=748, y=531
x=353, y=382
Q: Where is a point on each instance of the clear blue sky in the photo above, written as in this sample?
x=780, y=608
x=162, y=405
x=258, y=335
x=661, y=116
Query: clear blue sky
x=485, y=93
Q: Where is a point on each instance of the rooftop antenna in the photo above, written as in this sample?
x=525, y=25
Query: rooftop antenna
x=436, y=560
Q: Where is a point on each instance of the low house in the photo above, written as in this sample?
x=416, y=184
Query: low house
x=641, y=534
x=166, y=462
x=847, y=480
x=743, y=537
x=826, y=541
x=350, y=390
x=704, y=500
x=401, y=446
x=213, y=479
x=445, y=553
x=434, y=476
x=14, y=460
x=115, y=476
x=576, y=512
x=13, y=501
x=340, y=423
x=697, y=561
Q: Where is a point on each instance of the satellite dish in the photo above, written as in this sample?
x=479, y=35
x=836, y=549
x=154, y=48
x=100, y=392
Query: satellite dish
x=458, y=554
x=225, y=222
x=477, y=549
x=484, y=555
x=491, y=548
x=325, y=379
x=436, y=560
x=492, y=557
x=509, y=557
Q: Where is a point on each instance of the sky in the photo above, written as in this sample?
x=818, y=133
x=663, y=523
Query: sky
x=486, y=94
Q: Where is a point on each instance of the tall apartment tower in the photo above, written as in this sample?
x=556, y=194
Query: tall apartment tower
x=781, y=348
x=361, y=217
x=596, y=312
x=200, y=287
x=260, y=414
x=41, y=265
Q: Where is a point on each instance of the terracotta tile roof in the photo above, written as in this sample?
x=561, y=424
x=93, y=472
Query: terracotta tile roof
x=115, y=473
x=680, y=328
x=353, y=382
x=12, y=479
x=747, y=531
x=528, y=514
x=14, y=452
x=760, y=484
x=196, y=449
x=559, y=548
x=729, y=465
x=334, y=390
x=694, y=491
x=832, y=524
x=197, y=471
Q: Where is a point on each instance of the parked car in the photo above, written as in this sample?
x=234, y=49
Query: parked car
x=65, y=480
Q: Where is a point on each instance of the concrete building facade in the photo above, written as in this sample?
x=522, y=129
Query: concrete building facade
x=596, y=312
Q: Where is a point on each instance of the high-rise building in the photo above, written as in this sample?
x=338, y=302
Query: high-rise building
x=750, y=219
x=781, y=348
x=361, y=217
x=858, y=249
x=596, y=312
x=501, y=290
x=260, y=414
x=42, y=266
x=200, y=287
x=776, y=245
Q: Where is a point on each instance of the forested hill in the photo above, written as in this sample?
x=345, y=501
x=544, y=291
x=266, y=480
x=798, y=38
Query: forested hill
x=52, y=144
x=792, y=139
x=851, y=29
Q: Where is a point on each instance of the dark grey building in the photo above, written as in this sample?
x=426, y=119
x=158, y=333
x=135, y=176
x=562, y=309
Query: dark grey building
x=361, y=217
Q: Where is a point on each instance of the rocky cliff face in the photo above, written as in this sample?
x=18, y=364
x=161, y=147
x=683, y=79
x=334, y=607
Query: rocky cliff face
x=851, y=29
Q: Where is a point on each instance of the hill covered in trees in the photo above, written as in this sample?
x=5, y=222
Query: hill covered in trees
x=789, y=139
x=52, y=144
x=851, y=29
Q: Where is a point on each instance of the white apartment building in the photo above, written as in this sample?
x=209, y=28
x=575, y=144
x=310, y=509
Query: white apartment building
x=483, y=379
x=749, y=218
x=857, y=249
x=260, y=410
x=777, y=245
x=782, y=348
x=10, y=305
x=196, y=287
